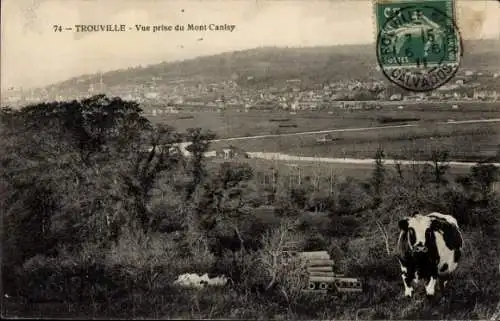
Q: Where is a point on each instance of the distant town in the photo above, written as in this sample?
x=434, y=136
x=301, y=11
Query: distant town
x=170, y=96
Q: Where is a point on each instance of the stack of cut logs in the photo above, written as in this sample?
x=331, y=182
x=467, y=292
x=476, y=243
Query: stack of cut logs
x=321, y=276
x=319, y=269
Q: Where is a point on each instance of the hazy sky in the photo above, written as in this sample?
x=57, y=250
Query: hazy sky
x=34, y=55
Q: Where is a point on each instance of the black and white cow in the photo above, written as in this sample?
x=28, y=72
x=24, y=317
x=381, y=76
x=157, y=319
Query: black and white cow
x=429, y=248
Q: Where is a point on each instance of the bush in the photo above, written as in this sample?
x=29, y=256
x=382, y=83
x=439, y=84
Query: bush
x=367, y=258
x=68, y=280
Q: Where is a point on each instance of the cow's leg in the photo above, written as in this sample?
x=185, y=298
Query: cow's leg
x=443, y=281
x=430, y=287
x=408, y=274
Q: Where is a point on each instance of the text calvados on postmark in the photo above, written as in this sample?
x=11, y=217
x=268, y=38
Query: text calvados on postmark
x=418, y=43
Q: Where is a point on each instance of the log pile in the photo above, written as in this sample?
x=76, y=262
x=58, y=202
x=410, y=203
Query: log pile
x=321, y=276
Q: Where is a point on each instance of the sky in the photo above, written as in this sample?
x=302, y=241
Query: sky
x=33, y=55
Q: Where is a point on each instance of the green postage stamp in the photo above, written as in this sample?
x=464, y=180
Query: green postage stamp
x=418, y=43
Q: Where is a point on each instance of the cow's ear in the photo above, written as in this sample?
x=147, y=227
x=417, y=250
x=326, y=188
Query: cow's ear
x=403, y=224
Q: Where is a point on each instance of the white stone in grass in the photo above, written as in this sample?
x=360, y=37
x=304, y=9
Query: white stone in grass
x=193, y=280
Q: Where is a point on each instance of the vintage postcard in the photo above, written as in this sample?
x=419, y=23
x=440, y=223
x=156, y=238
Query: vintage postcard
x=250, y=159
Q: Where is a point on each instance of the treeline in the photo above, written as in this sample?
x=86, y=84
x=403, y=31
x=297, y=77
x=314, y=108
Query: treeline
x=101, y=212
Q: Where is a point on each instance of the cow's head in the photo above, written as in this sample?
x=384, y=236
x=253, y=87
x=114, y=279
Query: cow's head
x=419, y=231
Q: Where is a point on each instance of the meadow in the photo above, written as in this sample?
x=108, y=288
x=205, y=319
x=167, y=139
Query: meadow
x=423, y=129
x=464, y=142
x=231, y=123
x=93, y=227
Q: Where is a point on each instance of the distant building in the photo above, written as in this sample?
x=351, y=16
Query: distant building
x=480, y=94
x=395, y=97
x=448, y=87
x=171, y=110
x=413, y=97
x=212, y=153
x=178, y=101
x=151, y=95
x=127, y=97
x=496, y=187
x=231, y=152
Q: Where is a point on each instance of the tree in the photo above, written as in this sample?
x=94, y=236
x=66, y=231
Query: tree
x=378, y=176
x=87, y=163
x=91, y=127
x=223, y=199
x=440, y=165
x=198, y=145
x=163, y=156
x=484, y=175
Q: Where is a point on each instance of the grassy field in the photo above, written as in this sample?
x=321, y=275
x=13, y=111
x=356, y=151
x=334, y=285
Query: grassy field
x=237, y=124
x=472, y=142
x=463, y=141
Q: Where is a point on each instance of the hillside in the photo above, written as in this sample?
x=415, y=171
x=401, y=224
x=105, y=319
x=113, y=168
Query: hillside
x=270, y=65
x=94, y=227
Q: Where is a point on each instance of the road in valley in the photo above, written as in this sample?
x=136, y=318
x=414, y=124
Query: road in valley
x=354, y=161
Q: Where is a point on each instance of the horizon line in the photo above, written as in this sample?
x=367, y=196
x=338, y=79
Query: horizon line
x=143, y=66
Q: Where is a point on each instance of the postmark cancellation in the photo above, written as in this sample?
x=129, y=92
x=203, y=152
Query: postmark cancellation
x=418, y=43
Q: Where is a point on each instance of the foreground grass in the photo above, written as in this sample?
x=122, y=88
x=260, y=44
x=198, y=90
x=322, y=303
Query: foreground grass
x=213, y=304
x=468, y=297
x=134, y=279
